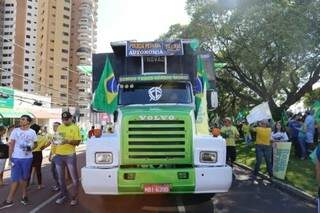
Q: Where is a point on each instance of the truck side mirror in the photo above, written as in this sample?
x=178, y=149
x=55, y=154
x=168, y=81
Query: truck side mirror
x=212, y=98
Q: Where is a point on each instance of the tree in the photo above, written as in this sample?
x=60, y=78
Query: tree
x=272, y=48
x=311, y=97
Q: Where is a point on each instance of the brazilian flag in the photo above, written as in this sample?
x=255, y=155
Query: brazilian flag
x=106, y=95
x=201, y=84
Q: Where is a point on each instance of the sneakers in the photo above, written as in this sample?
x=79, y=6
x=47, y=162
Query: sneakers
x=25, y=201
x=6, y=204
x=73, y=202
x=61, y=200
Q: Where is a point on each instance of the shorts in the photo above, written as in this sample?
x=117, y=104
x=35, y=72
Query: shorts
x=20, y=169
x=2, y=164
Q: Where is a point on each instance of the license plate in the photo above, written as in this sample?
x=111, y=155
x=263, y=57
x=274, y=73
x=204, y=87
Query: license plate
x=156, y=188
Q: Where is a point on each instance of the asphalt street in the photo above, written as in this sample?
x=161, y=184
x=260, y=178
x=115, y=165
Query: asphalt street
x=244, y=196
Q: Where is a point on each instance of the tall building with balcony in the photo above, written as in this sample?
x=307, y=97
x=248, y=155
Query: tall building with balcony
x=18, y=43
x=7, y=37
x=1, y=30
x=82, y=45
x=53, y=50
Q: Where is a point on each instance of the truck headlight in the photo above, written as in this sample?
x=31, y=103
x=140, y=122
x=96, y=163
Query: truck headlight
x=103, y=157
x=208, y=157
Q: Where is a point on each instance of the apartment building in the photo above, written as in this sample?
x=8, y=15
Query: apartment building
x=42, y=45
x=53, y=50
x=8, y=19
x=1, y=25
x=82, y=45
x=18, y=43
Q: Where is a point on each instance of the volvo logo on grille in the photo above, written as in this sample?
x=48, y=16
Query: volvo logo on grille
x=156, y=117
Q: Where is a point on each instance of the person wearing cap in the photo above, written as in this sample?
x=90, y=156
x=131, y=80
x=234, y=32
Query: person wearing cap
x=263, y=147
x=66, y=156
x=22, y=140
x=230, y=133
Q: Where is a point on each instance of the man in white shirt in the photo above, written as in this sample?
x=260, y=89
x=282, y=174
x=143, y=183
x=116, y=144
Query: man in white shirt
x=21, y=143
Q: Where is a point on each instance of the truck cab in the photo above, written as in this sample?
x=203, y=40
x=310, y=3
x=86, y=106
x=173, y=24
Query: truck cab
x=156, y=146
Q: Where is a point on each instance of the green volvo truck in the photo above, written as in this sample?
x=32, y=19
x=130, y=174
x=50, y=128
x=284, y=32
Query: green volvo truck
x=161, y=141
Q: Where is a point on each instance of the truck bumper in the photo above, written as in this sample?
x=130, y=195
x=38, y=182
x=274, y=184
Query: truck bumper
x=112, y=182
x=99, y=181
x=213, y=179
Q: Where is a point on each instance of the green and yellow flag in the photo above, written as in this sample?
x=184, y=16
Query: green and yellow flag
x=106, y=95
x=201, y=84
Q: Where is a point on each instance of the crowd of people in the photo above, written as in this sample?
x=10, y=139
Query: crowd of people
x=25, y=144
x=301, y=130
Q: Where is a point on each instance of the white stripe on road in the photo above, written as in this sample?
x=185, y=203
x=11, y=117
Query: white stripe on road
x=47, y=201
x=80, y=149
x=180, y=205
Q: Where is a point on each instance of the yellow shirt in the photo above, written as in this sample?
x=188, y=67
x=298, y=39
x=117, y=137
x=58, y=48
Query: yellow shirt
x=42, y=141
x=71, y=132
x=53, y=149
x=246, y=129
x=263, y=135
x=230, y=134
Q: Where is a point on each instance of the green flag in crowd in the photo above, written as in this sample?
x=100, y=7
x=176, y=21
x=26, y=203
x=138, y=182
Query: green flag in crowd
x=316, y=108
x=284, y=118
x=106, y=94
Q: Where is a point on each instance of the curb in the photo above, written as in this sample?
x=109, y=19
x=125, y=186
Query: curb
x=284, y=186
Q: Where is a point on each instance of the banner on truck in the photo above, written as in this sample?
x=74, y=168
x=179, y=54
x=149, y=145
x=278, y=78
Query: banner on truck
x=154, y=48
x=281, y=154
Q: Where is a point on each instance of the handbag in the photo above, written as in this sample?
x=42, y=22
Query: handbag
x=4, y=151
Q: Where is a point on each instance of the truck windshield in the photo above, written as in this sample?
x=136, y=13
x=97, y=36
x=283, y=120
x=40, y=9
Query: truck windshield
x=155, y=92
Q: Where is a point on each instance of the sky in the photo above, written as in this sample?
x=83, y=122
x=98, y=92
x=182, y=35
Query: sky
x=142, y=20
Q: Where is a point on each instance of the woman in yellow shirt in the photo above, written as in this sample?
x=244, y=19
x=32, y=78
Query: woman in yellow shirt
x=42, y=143
x=263, y=147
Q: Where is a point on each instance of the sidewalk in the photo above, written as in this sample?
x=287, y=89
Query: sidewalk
x=284, y=186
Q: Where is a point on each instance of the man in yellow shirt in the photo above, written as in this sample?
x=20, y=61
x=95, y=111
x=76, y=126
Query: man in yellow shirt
x=65, y=151
x=263, y=147
x=230, y=133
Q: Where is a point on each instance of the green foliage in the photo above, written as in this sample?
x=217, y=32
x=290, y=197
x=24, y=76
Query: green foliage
x=311, y=98
x=272, y=48
x=300, y=173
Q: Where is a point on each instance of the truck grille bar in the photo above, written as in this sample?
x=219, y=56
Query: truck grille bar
x=156, y=139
